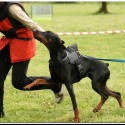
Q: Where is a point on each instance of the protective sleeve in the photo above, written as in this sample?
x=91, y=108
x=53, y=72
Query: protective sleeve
x=17, y=13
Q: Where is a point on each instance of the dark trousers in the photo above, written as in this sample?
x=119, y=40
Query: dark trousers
x=19, y=78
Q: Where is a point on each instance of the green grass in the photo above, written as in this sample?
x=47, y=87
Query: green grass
x=39, y=106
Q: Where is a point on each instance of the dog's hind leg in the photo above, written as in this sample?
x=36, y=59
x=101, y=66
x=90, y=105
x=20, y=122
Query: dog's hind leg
x=105, y=93
x=98, y=107
x=104, y=96
x=116, y=95
x=109, y=92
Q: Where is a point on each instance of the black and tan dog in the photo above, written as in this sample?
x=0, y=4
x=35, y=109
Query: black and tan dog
x=68, y=66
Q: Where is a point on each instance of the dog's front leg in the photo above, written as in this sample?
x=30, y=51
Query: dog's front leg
x=37, y=82
x=69, y=87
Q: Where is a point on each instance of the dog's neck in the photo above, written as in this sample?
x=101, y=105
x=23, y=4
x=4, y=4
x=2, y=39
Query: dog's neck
x=58, y=54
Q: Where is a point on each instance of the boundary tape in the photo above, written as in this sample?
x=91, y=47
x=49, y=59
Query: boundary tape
x=91, y=33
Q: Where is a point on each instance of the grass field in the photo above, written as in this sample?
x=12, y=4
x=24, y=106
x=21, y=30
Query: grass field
x=39, y=106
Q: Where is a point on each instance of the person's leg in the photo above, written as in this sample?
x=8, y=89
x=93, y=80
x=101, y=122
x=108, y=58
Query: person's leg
x=5, y=66
x=22, y=82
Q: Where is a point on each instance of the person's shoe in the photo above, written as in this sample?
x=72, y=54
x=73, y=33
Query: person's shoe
x=60, y=95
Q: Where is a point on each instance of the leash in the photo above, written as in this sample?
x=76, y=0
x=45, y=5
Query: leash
x=112, y=60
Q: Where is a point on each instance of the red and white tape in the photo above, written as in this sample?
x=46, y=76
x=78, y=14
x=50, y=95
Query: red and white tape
x=91, y=33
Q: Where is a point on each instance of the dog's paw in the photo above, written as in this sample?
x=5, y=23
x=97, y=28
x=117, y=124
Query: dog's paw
x=2, y=114
x=76, y=119
x=95, y=110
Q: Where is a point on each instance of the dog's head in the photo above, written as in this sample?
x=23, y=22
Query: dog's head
x=50, y=39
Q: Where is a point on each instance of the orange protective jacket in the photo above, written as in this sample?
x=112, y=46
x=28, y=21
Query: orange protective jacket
x=20, y=39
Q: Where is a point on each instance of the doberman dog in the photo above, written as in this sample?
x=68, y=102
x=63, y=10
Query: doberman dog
x=68, y=66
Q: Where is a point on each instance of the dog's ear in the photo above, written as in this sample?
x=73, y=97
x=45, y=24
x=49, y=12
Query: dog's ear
x=62, y=42
x=107, y=64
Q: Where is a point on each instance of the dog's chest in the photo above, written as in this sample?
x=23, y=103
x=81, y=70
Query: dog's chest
x=56, y=70
x=64, y=72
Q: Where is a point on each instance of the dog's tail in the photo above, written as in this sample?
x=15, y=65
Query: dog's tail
x=107, y=64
